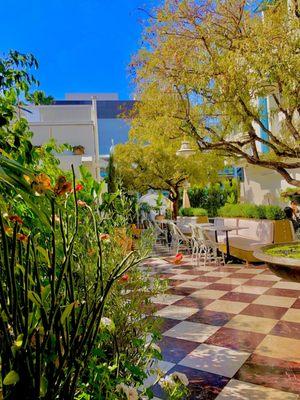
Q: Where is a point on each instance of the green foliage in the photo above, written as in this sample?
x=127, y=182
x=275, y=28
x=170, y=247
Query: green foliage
x=197, y=75
x=53, y=306
x=15, y=82
x=40, y=98
x=92, y=189
x=111, y=175
x=212, y=197
x=192, y=212
x=118, y=209
x=251, y=211
x=149, y=161
x=123, y=354
x=274, y=213
x=159, y=203
x=286, y=251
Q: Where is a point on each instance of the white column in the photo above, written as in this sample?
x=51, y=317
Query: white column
x=96, y=136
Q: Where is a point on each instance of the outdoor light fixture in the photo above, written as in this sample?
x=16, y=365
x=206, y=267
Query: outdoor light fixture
x=185, y=150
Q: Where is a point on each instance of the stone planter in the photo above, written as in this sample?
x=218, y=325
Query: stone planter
x=285, y=266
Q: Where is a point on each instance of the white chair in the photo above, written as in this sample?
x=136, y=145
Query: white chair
x=160, y=234
x=179, y=241
x=209, y=251
x=197, y=242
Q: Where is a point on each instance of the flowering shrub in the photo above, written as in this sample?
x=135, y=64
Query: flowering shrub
x=51, y=314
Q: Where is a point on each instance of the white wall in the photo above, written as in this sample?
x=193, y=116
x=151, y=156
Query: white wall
x=72, y=125
x=263, y=186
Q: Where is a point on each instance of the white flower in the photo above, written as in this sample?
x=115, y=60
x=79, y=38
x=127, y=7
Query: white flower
x=155, y=347
x=122, y=388
x=178, y=376
x=107, y=323
x=132, y=394
x=166, y=381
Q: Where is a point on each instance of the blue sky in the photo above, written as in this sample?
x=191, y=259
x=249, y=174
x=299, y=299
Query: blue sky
x=81, y=45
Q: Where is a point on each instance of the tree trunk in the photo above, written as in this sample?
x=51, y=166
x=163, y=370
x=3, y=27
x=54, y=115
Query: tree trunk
x=175, y=208
x=174, y=197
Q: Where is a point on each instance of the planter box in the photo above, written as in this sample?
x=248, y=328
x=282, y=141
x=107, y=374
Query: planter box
x=202, y=219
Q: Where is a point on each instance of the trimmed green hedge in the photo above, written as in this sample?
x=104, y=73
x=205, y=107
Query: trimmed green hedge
x=192, y=212
x=251, y=211
x=214, y=196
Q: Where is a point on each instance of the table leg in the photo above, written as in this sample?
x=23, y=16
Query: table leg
x=228, y=256
x=169, y=236
x=216, y=236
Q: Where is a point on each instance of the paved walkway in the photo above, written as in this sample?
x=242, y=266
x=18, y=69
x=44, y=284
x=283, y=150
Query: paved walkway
x=234, y=331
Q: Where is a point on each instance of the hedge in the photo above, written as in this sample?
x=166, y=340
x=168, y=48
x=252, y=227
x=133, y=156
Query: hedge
x=214, y=196
x=251, y=211
x=192, y=212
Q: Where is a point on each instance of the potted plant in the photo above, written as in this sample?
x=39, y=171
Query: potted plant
x=78, y=150
x=158, y=207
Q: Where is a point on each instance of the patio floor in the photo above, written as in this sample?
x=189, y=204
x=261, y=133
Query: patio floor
x=234, y=331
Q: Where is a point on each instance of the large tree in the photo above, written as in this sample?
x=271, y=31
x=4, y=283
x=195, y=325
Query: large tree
x=218, y=60
x=149, y=160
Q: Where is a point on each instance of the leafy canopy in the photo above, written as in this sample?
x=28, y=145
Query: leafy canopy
x=149, y=161
x=205, y=65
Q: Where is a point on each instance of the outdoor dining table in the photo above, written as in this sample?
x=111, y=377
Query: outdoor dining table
x=225, y=229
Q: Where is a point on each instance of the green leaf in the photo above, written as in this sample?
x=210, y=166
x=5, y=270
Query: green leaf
x=45, y=292
x=18, y=343
x=44, y=254
x=67, y=312
x=43, y=387
x=11, y=378
x=35, y=298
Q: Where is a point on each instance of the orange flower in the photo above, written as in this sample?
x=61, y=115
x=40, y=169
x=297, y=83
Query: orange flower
x=104, y=236
x=62, y=186
x=22, y=237
x=41, y=183
x=27, y=178
x=81, y=203
x=8, y=230
x=16, y=218
x=91, y=252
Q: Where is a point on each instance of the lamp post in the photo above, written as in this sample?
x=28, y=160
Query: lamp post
x=185, y=149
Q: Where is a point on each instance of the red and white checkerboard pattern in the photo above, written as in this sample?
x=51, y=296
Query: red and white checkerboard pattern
x=233, y=330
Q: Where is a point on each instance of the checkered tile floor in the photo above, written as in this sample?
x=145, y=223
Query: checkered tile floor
x=233, y=330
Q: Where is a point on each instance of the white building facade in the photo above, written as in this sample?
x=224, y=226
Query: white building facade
x=94, y=121
x=262, y=185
